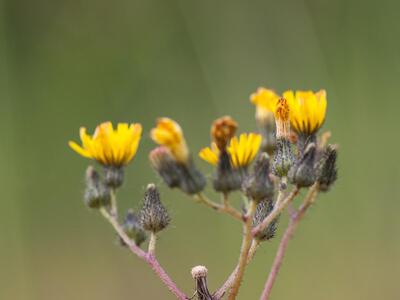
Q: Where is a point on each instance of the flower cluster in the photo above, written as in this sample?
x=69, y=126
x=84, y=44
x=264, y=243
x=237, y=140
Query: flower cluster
x=287, y=149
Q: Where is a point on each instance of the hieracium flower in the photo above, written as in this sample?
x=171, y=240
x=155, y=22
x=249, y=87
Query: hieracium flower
x=170, y=134
x=307, y=114
x=265, y=101
x=112, y=148
x=172, y=159
x=233, y=158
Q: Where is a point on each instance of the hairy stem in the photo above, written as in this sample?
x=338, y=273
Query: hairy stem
x=280, y=205
x=293, y=223
x=244, y=252
x=152, y=244
x=147, y=257
x=114, y=206
x=225, y=207
x=229, y=282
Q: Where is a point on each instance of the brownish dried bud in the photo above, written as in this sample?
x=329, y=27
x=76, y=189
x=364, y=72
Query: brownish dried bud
x=222, y=130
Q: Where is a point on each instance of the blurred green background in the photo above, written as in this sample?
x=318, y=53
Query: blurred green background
x=64, y=64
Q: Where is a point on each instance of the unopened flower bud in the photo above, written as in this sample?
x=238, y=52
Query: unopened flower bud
x=96, y=193
x=283, y=158
x=133, y=228
x=258, y=185
x=153, y=215
x=326, y=168
x=199, y=274
x=263, y=209
x=227, y=178
x=176, y=174
x=114, y=176
x=222, y=130
x=303, y=171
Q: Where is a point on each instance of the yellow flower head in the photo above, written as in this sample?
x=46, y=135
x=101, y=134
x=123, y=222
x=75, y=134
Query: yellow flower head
x=242, y=150
x=307, y=110
x=210, y=154
x=265, y=101
x=169, y=133
x=108, y=146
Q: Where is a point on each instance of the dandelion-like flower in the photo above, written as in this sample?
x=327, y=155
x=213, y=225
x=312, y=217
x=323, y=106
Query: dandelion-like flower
x=109, y=146
x=169, y=134
x=307, y=110
x=242, y=150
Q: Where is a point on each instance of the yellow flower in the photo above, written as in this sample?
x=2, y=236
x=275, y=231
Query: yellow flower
x=108, y=146
x=210, y=155
x=307, y=110
x=282, y=119
x=169, y=133
x=265, y=101
x=265, y=98
x=242, y=150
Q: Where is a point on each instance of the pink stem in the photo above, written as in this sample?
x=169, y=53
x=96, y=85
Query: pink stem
x=156, y=267
x=148, y=258
x=294, y=221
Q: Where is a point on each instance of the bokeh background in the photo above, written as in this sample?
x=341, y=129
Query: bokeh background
x=64, y=64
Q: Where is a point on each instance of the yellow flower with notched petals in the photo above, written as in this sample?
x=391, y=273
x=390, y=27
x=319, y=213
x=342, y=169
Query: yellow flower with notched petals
x=108, y=146
x=169, y=133
x=210, y=154
x=242, y=150
x=307, y=110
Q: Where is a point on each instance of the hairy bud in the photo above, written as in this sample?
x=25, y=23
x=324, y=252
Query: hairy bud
x=326, y=169
x=96, y=193
x=153, y=215
x=114, y=176
x=133, y=228
x=263, y=209
x=303, y=173
x=176, y=174
x=226, y=178
x=258, y=185
x=283, y=158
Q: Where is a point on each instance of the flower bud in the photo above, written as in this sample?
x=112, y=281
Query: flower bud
x=133, y=228
x=153, y=215
x=96, y=193
x=303, y=173
x=176, y=174
x=326, y=169
x=263, y=209
x=199, y=274
x=227, y=178
x=114, y=176
x=258, y=185
x=283, y=158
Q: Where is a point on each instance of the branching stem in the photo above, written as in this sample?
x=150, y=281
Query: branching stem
x=244, y=252
x=147, y=257
x=280, y=205
x=225, y=207
x=295, y=218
